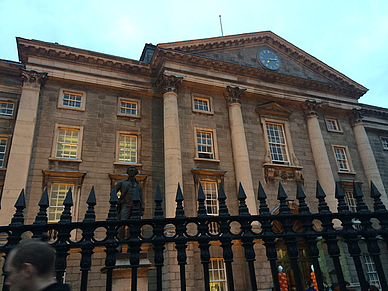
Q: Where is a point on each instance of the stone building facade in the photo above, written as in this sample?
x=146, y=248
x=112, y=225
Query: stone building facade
x=234, y=109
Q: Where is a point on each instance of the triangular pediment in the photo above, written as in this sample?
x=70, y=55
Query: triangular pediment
x=244, y=49
x=273, y=109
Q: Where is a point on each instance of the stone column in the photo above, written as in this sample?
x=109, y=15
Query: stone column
x=366, y=154
x=21, y=146
x=172, y=142
x=239, y=145
x=321, y=159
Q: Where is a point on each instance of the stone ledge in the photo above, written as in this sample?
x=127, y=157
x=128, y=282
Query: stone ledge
x=274, y=172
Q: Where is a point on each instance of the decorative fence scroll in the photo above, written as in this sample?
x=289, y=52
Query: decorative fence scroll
x=181, y=236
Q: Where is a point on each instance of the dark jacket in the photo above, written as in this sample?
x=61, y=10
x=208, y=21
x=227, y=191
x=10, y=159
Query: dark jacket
x=57, y=287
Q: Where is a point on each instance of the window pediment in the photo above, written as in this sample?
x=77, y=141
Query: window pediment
x=273, y=109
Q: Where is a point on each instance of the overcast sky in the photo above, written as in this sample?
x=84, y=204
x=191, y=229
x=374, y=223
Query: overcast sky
x=350, y=36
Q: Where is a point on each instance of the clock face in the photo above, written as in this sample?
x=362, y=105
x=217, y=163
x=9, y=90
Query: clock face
x=269, y=59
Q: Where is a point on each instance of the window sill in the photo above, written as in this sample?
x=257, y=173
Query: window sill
x=336, y=131
x=206, y=160
x=3, y=169
x=127, y=164
x=72, y=108
x=65, y=160
x=345, y=172
x=129, y=116
x=203, y=112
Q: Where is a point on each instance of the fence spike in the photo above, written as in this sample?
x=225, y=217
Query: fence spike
x=301, y=196
x=68, y=203
x=263, y=208
x=223, y=208
x=179, y=211
x=18, y=218
x=112, y=214
x=41, y=217
x=378, y=205
x=158, y=213
x=357, y=193
x=322, y=205
x=90, y=214
x=243, y=208
x=201, y=202
x=340, y=195
x=135, y=214
x=282, y=197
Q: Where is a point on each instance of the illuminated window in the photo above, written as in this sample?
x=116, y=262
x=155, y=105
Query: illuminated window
x=67, y=143
x=342, y=160
x=127, y=148
x=277, y=143
x=217, y=275
x=6, y=108
x=211, y=203
x=57, y=196
x=332, y=124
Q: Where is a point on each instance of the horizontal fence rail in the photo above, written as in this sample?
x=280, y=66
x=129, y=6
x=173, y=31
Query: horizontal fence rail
x=203, y=229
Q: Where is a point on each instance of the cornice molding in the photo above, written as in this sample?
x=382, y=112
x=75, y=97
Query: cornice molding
x=265, y=38
x=28, y=48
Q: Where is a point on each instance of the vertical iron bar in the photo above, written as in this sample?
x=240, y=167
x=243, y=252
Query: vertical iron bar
x=250, y=257
x=205, y=260
x=180, y=243
x=158, y=240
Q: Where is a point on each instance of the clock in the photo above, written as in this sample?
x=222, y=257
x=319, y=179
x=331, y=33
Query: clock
x=269, y=59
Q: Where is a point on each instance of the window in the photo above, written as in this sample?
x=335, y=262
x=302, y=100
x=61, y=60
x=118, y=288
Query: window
x=384, y=141
x=128, y=107
x=3, y=150
x=206, y=144
x=342, y=160
x=332, y=125
x=217, y=275
x=69, y=99
x=57, y=196
x=351, y=201
x=202, y=104
x=68, y=143
x=128, y=148
x=371, y=270
x=277, y=143
x=211, y=203
x=6, y=109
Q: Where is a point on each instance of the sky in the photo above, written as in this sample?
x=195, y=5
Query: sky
x=350, y=36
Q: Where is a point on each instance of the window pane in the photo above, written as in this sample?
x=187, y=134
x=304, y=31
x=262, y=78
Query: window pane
x=67, y=143
x=128, y=149
x=57, y=196
x=72, y=100
x=277, y=143
x=129, y=107
x=6, y=109
x=205, y=144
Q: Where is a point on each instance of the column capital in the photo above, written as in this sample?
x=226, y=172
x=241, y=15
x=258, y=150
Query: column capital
x=233, y=94
x=33, y=79
x=310, y=107
x=356, y=116
x=168, y=83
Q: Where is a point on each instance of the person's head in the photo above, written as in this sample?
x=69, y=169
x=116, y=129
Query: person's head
x=29, y=264
x=132, y=171
x=373, y=288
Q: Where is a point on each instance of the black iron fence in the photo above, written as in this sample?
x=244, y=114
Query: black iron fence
x=224, y=228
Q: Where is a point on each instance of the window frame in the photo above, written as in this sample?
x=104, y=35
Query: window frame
x=7, y=149
x=72, y=186
x=339, y=128
x=129, y=100
x=62, y=93
x=202, y=97
x=371, y=269
x=214, y=145
x=138, y=147
x=292, y=160
x=55, y=142
x=384, y=140
x=347, y=156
